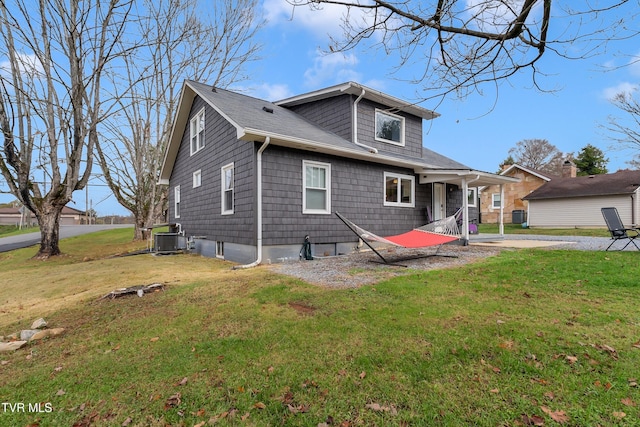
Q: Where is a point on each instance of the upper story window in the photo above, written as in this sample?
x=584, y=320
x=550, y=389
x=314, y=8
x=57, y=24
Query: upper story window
x=197, y=132
x=197, y=178
x=389, y=128
x=176, y=200
x=316, y=191
x=399, y=190
x=227, y=189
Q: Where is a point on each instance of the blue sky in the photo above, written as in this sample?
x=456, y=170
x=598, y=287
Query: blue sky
x=477, y=131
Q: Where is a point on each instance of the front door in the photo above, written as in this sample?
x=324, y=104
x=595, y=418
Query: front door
x=438, y=201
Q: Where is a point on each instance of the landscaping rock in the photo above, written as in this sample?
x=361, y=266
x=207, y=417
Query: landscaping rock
x=26, y=334
x=11, y=346
x=39, y=324
x=47, y=333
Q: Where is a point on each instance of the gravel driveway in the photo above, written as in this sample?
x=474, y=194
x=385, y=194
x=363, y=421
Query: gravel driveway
x=354, y=270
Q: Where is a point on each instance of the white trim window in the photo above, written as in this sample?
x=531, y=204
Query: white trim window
x=227, y=179
x=495, y=201
x=197, y=132
x=197, y=178
x=219, y=249
x=389, y=128
x=316, y=187
x=399, y=190
x=472, y=197
x=176, y=201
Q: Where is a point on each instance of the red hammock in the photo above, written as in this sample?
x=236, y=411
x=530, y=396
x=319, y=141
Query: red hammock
x=416, y=238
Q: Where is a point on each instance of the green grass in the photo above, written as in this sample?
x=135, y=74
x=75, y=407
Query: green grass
x=526, y=334
x=518, y=229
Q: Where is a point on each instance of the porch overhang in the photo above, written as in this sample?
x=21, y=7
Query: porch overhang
x=471, y=177
x=466, y=178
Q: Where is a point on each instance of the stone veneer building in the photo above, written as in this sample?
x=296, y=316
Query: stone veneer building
x=513, y=192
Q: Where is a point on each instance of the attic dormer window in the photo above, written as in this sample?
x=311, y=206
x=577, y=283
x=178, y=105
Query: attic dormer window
x=389, y=128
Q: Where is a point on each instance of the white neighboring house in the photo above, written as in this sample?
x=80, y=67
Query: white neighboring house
x=576, y=201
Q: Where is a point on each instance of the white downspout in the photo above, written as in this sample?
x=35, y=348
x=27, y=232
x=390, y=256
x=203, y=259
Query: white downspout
x=355, y=125
x=259, y=208
x=465, y=208
x=501, y=222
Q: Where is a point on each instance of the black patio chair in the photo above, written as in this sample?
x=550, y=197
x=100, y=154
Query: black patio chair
x=617, y=229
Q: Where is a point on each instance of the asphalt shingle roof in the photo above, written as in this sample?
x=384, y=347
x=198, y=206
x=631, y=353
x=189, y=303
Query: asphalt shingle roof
x=621, y=182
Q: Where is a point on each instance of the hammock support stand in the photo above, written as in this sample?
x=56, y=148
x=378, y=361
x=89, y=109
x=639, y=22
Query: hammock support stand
x=406, y=240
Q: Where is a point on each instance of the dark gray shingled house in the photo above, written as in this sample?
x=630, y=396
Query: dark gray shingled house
x=249, y=179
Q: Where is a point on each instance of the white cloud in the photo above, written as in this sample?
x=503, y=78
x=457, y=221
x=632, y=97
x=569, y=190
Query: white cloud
x=320, y=20
x=334, y=67
x=624, y=87
x=28, y=64
x=634, y=65
x=274, y=92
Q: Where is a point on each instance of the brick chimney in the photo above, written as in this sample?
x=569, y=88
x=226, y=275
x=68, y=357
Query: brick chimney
x=569, y=169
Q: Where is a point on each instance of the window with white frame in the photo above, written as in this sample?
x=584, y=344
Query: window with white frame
x=197, y=178
x=220, y=249
x=197, y=132
x=227, y=189
x=389, y=128
x=176, y=201
x=472, y=197
x=399, y=190
x=496, y=201
x=316, y=188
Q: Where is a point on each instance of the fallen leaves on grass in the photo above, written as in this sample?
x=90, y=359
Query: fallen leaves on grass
x=560, y=417
x=533, y=420
x=173, y=401
x=376, y=407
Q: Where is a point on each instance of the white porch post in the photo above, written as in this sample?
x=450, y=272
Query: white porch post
x=465, y=212
x=501, y=219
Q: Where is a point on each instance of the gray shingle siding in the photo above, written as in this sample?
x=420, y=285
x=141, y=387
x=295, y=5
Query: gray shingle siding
x=333, y=114
x=200, y=208
x=367, y=126
x=357, y=191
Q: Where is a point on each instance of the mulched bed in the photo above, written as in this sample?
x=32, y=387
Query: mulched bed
x=358, y=269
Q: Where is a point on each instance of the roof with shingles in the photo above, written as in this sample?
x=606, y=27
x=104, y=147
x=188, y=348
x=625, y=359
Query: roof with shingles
x=255, y=119
x=621, y=182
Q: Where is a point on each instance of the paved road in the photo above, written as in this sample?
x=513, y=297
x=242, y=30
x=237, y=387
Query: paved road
x=30, y=239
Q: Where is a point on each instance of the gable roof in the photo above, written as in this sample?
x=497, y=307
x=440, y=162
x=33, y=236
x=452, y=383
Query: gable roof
x=256, y=120
x=619, y=183
x=357, y=89
x=535, y=172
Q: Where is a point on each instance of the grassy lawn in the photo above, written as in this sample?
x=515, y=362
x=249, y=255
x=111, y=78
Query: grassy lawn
x=529, y=337
x=517, y=229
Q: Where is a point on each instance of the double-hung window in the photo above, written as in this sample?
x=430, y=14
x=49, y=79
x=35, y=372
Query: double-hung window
x=316, y=188
x=176, y=201
x=389, y=128
x=496, y=202
x=472, y=197
x=197, y=132
x=399, y=190
x=227, y=189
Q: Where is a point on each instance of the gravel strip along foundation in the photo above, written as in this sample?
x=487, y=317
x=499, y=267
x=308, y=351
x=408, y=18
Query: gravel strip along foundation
x=357, y=269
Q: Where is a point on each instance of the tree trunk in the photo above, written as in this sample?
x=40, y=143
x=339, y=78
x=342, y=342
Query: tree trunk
x=49, y=233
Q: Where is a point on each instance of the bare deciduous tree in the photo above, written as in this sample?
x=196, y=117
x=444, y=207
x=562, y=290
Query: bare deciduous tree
x=464, y=43
x=538, y=154
x=178, y=42
x=625, y=131
x=55, y=54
